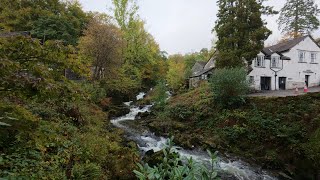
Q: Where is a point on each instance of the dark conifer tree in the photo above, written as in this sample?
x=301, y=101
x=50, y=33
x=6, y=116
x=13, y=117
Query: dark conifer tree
x=241, y=31
x=299, y=17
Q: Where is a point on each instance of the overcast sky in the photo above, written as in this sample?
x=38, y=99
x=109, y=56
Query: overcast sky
x=183, y=26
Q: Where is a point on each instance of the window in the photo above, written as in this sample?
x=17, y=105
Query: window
x=275, y=61
x=302, y=55
x=251, y=79
x=204, y=77
x=313, y=57
x=259, y=61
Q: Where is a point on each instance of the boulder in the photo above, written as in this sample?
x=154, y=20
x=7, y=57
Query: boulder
x=117, y=111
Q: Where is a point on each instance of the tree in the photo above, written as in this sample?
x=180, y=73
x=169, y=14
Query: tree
x=102, y=42
x=288, y=36
x=299, y=17
x=241, y=31
x=141, y=53
x=30, y=68
x=176, y=72
x=46, y=19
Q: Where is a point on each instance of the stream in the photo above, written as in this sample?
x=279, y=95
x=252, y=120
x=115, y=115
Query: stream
x=147, y=141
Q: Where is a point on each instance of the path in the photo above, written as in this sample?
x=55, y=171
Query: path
x=284, y=93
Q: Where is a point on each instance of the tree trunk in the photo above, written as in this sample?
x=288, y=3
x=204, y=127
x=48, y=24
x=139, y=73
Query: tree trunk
x=296, y=26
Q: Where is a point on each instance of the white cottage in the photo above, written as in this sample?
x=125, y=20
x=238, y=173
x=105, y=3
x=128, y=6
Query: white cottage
x=287, y=65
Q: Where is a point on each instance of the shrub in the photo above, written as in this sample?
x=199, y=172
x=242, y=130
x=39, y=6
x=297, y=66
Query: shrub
x=180, y=112
x=172, y=167
x=229, y=86
x=86, y=171
x=160, y=95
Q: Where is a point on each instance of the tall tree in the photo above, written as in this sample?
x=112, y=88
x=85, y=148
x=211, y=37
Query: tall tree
x=299, y=17
x=241, y=31
x=141, y=53
x=102, y=43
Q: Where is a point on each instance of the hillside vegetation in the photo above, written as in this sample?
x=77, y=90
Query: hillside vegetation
x=281, y=134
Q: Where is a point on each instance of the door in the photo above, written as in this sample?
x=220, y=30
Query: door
x=307, y=80
x=282, y=83
x=265, y=83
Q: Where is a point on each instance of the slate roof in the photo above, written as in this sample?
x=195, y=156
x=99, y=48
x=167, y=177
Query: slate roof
x=210, y=63
x=14, y=34
x=197, y=67
x=283, y=47
x=202, y=72
x=207, y=67
x=202, y=63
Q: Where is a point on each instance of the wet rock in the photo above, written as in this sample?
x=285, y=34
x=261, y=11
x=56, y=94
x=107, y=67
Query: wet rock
x=143, y=115
x=153, y=158
x=149, y=153
x=117, y=111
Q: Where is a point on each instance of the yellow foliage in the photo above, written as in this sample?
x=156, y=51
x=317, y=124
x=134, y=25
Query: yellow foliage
x=175, y=76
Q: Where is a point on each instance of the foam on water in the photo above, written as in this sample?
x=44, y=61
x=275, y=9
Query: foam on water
x=140, y=95
x=237, y=168
x=134, y=111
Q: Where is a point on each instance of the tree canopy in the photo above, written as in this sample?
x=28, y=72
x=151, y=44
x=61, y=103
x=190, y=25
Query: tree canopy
x=102, y=44
x=299, y=17
x=46, y=20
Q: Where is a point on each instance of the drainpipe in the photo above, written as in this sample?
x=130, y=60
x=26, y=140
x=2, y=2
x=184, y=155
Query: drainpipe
x=275, y=72
x=275, y=80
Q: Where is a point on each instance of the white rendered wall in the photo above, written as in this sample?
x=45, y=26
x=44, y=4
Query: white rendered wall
x=293, y=70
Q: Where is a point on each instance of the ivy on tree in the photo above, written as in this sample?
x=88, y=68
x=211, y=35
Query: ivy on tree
x=299, y=17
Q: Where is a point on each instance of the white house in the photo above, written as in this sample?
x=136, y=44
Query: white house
x=287, y=65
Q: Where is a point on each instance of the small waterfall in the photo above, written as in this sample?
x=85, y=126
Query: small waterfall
x=148, y=141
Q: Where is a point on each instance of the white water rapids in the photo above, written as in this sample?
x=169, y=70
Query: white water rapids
x=148, y=141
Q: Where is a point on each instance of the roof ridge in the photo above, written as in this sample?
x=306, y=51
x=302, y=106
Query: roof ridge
x=278, y=44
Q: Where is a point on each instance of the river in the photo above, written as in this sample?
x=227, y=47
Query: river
x=148, y=141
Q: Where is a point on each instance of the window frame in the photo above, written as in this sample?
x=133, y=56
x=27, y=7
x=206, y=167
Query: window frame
x=313, y=59
x=303, y=60
x=261, y=60
x=277, y=62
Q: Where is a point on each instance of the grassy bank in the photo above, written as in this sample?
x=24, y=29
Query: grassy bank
x=281, y=134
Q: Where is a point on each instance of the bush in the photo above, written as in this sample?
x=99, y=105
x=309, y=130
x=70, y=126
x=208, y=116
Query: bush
x=172, y=167
x=180, y=112
x=86, y=171
x=229, y=86
x=160, y=95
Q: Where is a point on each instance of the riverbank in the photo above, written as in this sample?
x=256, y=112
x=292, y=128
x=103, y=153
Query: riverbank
x=151, y=146
x=280, y=134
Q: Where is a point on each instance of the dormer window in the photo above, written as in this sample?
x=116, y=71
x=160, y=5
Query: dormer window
x=313, y=57
x=275, y=61
x=302, y=55
x=259, y=61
